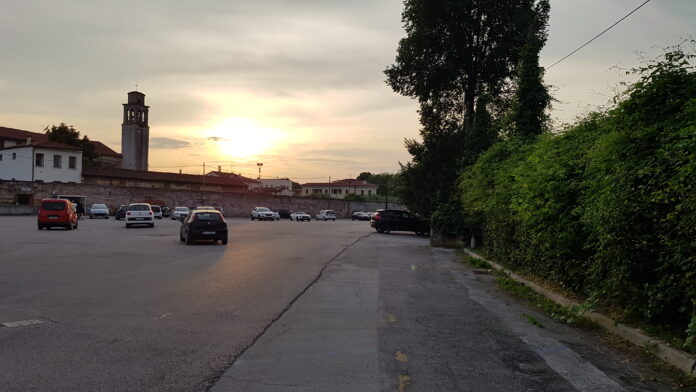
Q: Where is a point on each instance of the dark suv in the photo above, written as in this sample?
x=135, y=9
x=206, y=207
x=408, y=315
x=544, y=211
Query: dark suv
x=385, y=221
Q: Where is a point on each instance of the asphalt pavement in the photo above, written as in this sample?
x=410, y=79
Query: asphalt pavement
x=285, y=306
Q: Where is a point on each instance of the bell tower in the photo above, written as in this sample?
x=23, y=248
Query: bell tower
x=135, y=132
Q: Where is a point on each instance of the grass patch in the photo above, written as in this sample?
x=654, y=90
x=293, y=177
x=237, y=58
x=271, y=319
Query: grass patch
x=533, y=321
x=473, y=261
x=568, y=315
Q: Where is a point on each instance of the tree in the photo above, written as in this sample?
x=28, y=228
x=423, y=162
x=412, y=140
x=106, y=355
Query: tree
x=532, y=97
x=364, y=176
x=458, y=60
x=67, y=134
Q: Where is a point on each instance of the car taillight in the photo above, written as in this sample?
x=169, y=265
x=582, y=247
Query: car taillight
x=194, y=218
x=376, y=217
x=128, y=213
x=150, y=212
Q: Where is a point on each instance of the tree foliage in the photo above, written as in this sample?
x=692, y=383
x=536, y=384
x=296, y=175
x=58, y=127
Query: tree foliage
x=607, y=208
x=458, y=60
x=67, y=134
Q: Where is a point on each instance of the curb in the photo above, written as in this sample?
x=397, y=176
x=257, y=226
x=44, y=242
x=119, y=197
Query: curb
x=677, y=358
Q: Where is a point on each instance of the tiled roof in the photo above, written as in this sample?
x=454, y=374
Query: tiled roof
x=342, y=183
x=102, y=149
x=161, y=176
x=18, y=134
x=233, y=176
x=46, y=144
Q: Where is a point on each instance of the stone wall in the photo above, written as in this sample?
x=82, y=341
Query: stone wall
x=234, y=204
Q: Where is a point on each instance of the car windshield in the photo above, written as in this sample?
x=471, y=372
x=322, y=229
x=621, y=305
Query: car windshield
x=329, y=212
x=139, y=207
x=53, y=205
x=208, y=216
x=299, y=213
x=99, y=206
x=263, y=209
x=181, y=209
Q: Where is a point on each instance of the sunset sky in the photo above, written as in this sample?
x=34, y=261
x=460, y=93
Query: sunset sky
x=296, y=84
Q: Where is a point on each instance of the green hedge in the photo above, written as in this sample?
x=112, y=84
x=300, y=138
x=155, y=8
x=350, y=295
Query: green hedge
x=606, y=208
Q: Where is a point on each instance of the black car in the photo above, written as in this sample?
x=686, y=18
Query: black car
x=361, y=216
x=121, y=212
x=203, y=225
x=385, y=221
x=165, y=212
x=284, y=214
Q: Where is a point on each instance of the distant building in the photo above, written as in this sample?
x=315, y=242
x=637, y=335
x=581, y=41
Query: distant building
x=279, y=186
x=339, y=189
x=250, y=182
x=135, y=133
x=163, y=180
x=106, y=157
x=43, y=160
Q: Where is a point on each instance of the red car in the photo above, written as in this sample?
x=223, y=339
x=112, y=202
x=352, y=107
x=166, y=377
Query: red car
x=57, y=212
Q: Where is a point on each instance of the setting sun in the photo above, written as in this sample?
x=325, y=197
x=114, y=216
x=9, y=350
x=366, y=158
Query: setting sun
x=243, y=138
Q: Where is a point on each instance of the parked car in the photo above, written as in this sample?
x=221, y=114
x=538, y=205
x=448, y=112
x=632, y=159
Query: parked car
x=165, y=212
x=99, y=211
x=300, y=216
x=202, y=225
x=156, y=211
x=276, y=215
x=262, y=213
x=326, y=215
x=361, y=216
x=203, y=208
x=57, y=212
x=139, y=214
x=220, y=210
x=180, y=212
x=121, y=212
x=385, y=221
x=284, y=214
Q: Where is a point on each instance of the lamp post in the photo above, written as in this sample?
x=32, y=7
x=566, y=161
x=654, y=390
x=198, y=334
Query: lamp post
x=259, y=165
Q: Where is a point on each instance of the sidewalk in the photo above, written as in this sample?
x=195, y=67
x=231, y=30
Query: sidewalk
x=393, y=314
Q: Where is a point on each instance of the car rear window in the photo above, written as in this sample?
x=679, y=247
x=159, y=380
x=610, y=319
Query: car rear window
x=100, y=206
x=139, y=207
x=156, y=209
x=209, y=216
x=181, y=209
x=53, y=205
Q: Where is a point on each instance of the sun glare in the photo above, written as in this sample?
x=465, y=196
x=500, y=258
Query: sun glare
x=243, y=138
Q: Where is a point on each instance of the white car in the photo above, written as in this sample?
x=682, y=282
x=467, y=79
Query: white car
x=276, y=215
x=204, y=208
x=98, y=211
x=156, y=211
x=262, y=213
x=326, y=215
x=300, y=216
x=139, y=214
x=179, y=212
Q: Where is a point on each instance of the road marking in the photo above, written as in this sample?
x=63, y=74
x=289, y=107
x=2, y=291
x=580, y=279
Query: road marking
x=21, y=323
x=404, y=382
x=401, y=357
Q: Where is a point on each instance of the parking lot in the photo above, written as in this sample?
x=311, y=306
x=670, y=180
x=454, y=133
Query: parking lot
x=139, y=309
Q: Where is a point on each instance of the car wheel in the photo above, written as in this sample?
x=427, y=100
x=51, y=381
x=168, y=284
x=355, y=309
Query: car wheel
x=127, y=226
x=386, y=229
x=224, y=241
x=152, y=225
x=334, y=220
x=76, y=226
x=69, y=226
x=379, y=230
x=181, y=237
x=91, y=217
x=40, y=227
x=106, y=217
x=189, y=240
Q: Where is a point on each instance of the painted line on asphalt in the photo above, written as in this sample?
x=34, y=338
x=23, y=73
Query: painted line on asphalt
x=21, y=323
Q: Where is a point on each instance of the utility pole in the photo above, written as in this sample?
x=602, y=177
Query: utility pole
x=386, y=200
x=259, y=165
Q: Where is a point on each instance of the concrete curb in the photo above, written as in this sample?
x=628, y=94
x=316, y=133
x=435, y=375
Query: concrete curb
x=677, y=358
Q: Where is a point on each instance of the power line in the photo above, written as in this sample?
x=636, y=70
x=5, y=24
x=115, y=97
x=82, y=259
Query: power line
x=600, y=34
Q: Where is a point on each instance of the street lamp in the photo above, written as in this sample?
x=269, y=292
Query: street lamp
x=259, y=165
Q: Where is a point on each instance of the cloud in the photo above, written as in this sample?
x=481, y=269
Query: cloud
x=165, y=142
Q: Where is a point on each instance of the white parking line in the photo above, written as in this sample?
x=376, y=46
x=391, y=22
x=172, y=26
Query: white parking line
x=21, y=323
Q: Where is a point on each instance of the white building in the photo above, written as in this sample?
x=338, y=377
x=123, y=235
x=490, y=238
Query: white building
x=45, y=161
x=280, y=186
x=340, y=189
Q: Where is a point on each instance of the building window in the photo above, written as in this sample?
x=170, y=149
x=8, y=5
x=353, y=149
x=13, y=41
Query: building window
x=14, y=155
x=57, y=161
x=72, y=162
x=39, y=160
x=362, y=192
x=369, y=192
x=336, y=191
